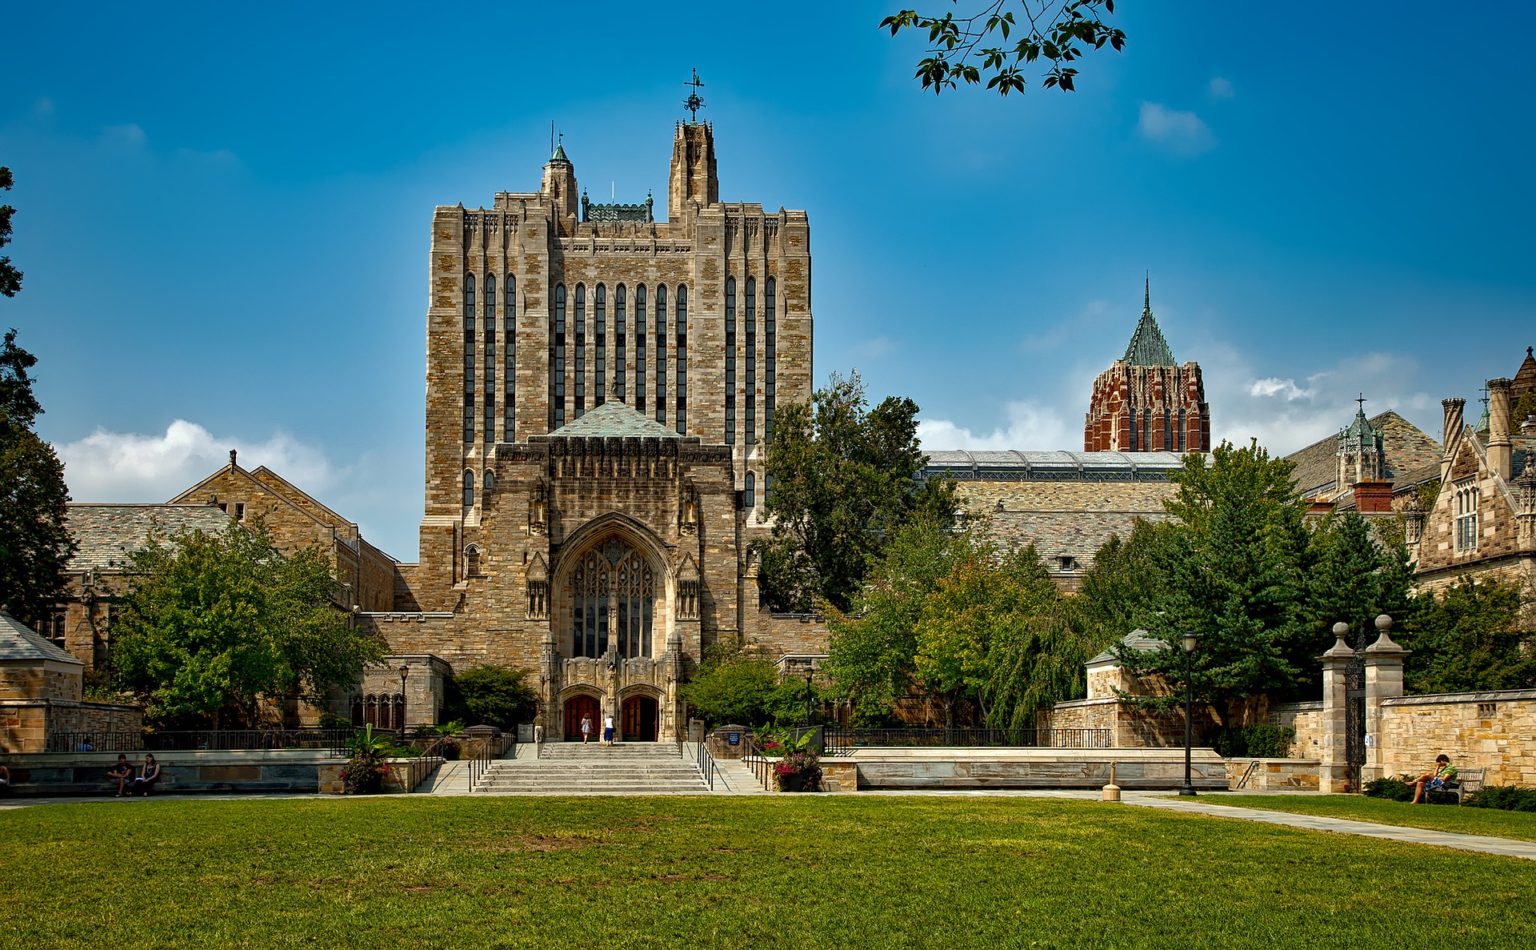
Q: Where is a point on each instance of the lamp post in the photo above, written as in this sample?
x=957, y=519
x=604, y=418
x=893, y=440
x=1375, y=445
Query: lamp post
x=1189, y=707
x=403, y=671
x=808, y=675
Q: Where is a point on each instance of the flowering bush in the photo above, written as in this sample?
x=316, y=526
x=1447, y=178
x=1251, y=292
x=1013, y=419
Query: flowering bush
x=365, y=771
x=799, y=767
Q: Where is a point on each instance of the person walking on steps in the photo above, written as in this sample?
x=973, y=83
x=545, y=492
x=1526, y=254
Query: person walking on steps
x=608, y=729
x=586, y=729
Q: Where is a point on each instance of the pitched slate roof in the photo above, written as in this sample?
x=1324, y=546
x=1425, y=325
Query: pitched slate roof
x=1406, y=447
x=1132, y=642
x=614, y=420
x=20, y=642
x=1525, y=379
x=107, y=534
x=1056, y=534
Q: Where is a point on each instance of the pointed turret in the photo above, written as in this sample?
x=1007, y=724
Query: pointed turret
x=560, y=183
x=1146, y=402
x=1147, y=346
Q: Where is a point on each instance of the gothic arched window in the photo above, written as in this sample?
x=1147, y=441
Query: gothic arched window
x=600, y=367
x=639, y=402
x=749, y=410
x=682, y=358
x=581, y=352
x=469, y=357
x=661, y=353
x=751, y=492
x=557, y=362
x=469, y=489
x=730, y=361
x=489, y=432
x=612, y=589
x=618, y=341
x=509, y=364
x=770, y=360
x=471, y=561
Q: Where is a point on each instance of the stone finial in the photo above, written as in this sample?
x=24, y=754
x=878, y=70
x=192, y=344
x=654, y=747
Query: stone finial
x=1340, y=651
x=231, y=458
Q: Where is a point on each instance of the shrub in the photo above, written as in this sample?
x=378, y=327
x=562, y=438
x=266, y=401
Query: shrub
x=366, y=768
x=1391, y=789
x=1260, y=741
x=734, y=688
x=1505, y=797
x=491, y=695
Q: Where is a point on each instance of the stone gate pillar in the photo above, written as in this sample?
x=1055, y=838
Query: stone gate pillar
x=1333, y=773
x=1383, y=680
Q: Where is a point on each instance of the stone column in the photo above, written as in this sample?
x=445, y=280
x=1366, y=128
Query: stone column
x=1383, y=680
x=1333, y=772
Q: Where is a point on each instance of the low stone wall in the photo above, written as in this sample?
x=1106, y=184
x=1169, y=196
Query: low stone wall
x=400, y=777
x=1130, y=725
x=1495, y=731
x=1307, y=720
x=1033, y=768
x=1265, y=775
x=85, y=773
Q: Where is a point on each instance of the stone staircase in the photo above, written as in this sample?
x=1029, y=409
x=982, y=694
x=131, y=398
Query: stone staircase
x=573, y=768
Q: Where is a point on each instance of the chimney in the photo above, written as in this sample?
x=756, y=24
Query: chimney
x=1498, y=428
x=1373, y=497
x=1453, y=424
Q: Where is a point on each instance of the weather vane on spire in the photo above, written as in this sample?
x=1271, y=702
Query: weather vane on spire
x=694, y=103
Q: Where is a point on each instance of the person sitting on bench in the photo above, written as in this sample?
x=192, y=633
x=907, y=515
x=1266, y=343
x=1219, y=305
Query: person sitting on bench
x=122, y=773
x=1434, y=781
x=148, y=776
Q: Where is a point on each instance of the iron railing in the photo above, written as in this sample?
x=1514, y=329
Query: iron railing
x=331, y=741
x=706, y=765
x=762, y=767
x=841, y=739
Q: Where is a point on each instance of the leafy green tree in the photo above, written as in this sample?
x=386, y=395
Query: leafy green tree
x=1122, y=587
x=491, y=695
x=214, y=623
x=733, y=687
x=1352, y=577
x=843, y=479
x=35, y=545
x=1232, y=568
x=10, y=277
x=1054, y=32
x=1476, y=636
x=872, y=652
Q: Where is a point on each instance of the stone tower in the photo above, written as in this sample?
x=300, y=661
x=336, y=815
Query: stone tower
x=1361, y=455
x=1145, y=402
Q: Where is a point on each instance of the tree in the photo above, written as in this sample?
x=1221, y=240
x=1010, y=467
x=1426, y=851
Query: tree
x=1058, y=32
x=872, y=650
x=491, y=695
x=843, y=478
x=1477, y=636
x=35, y=545
x=733, y=686
x=1353, y=578
x=10, y=277
x=1121, y=588
x=214, y=623
x=1231, y=568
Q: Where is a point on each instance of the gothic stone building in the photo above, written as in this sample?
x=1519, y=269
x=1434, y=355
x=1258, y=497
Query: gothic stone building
x=1145, y=402
x=599, y=388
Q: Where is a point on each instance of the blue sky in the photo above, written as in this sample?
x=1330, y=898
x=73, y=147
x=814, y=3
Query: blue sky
x=223, y=213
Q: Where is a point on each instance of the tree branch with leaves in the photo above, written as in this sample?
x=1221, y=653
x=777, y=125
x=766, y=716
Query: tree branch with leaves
x=1056, y=33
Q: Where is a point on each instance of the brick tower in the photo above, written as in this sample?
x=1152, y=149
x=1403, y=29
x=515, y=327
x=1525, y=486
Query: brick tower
x=1146, y=402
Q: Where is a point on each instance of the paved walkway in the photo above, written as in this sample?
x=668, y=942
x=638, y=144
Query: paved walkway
x=1445, y=839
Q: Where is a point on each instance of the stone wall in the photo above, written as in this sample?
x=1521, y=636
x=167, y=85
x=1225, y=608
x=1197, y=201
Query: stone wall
x=36, y=680
x=1495, y=731
x=1307, y=720
x=787, y=634
x=1132, y=726
x=1267, y=775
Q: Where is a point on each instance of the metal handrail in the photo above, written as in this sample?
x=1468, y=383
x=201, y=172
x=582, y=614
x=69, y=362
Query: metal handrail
x=706, y=765
x=753, y=757
x=481, y=762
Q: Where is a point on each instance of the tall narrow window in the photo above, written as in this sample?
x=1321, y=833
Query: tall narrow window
x=600, y=369
x=581, y=351
x=489, y=432
x=509, y=367
x=682, y=358
x=661, y=353
x=1466, y=516
x=730, y=361
x=557, y=361
x=618, y=342
x=488, y=483
x=469, y=489
x=770, y=362
x=751, y=492
x=640, y=315
x=469, y=357
x=749, y=410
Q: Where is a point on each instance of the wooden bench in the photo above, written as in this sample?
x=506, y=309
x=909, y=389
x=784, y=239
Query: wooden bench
x=1467, y=782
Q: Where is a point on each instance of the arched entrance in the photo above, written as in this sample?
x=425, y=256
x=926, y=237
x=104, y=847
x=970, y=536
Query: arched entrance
x=578, y=707
x=639, y=719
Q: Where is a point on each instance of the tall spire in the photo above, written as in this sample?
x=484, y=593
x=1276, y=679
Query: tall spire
x=1147, y=346
x=1146, y=300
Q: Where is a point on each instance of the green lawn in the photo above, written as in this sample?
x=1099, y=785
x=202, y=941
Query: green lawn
x=813, y=872
x=1472, y=821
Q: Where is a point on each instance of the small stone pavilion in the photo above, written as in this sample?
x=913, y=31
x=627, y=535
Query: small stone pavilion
x=40, y=693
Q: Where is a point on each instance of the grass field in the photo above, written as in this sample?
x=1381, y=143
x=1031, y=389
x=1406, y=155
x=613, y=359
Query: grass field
x=848, y=872
x=1471, y=821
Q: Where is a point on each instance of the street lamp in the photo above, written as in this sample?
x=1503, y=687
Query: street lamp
x=808, y=675
x=403, y=671
x=1189, y=707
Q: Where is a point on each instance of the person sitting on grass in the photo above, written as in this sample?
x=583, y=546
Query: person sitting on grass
x=148, y=776
x=5, y=779
x=1434, y=781
x=122, y=773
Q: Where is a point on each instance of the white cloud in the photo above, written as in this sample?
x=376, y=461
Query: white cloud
x=1271, y=386
x=131, y=467
x=1030, y=426
x=1182, y=133
x=1221, y=88
x=129, y=135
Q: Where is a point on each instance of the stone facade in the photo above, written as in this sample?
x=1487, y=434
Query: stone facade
x=1495, y=731
x=1146, y=402
x=41, y=687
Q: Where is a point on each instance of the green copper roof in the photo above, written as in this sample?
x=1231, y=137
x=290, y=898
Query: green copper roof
x=613, y=420
x=559, y=155
x=1147, y=346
